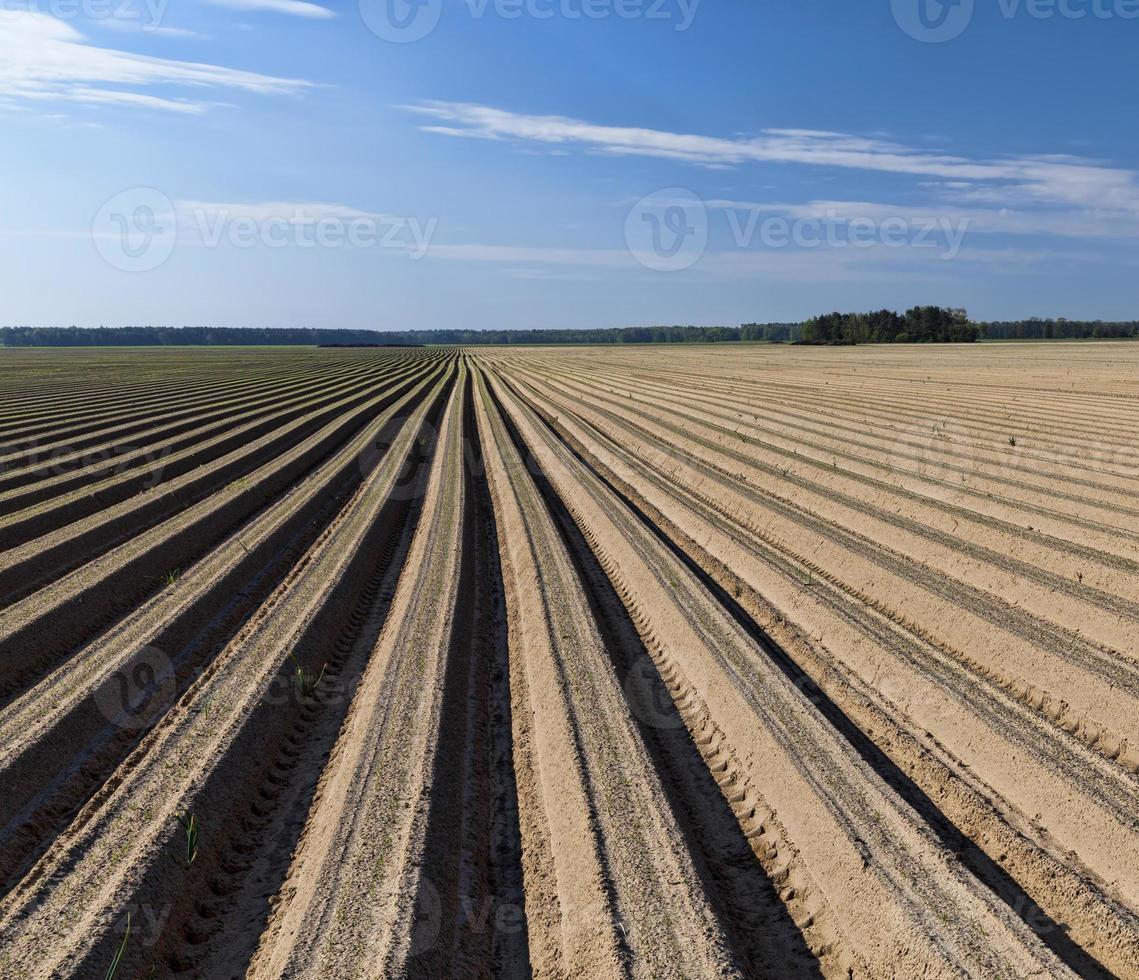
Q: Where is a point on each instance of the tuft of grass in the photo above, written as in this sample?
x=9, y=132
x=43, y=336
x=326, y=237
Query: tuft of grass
x=171, y=577
x=305, y=680
x=189, y=822
x=1012, y=440
x=120, y=952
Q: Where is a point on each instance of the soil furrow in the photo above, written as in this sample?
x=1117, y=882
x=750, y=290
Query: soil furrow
x=203, y=760
x=1032, y=760
x=1095, y=684
x=36, y=632
x=637, y=661
x=85, y=716
x=600, y=842
x=762, y=929
x=66, y=454
x=234, y=452
x=154, y=446
x=362, y=878
x=887, y=856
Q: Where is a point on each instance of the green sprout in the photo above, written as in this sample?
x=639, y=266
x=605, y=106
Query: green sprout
x=305, y=680
x=190, y=824
x=119, y=953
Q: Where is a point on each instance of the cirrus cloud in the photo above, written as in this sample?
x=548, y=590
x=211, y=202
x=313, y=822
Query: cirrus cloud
x=1049, y=180
x=43, y=58
x=292, y=8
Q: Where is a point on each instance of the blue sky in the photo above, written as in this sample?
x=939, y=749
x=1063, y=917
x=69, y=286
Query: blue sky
x=534, y=163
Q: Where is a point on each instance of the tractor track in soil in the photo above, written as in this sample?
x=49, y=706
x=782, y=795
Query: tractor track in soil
x=569, y=663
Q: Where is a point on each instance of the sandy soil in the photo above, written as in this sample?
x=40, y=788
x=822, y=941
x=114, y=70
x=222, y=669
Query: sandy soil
x=577, y=662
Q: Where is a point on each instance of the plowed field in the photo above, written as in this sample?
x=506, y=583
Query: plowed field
x=570, y=662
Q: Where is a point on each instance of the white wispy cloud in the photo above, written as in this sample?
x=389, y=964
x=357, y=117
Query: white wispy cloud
x=97, y=96
x=42, y=58
x=192, y=218
x=135, y=25
x=293, y=8
x=1041, y=180
x=295, y=212
x=777, y=265
x=1081, y=223
x=179, y=32
x=539, y=255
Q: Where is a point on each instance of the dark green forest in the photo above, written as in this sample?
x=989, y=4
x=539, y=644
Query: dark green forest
x=922, y=324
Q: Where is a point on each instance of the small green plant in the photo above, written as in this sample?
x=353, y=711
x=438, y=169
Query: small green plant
x=189, y=822
x=120, y=952
x=172, y=576
x=305, y=680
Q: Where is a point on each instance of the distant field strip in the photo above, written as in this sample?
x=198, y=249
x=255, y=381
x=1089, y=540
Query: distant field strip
x=570, y=662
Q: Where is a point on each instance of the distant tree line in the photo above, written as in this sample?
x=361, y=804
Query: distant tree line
x=614, y=335
x=1061, y=329
x=232, y=336
x=920, y=325
x=176, y=336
